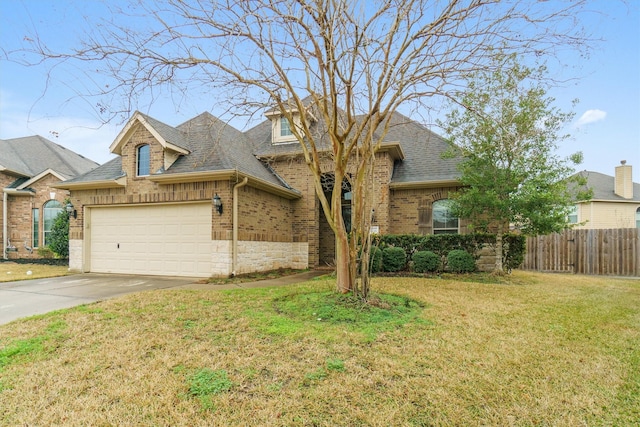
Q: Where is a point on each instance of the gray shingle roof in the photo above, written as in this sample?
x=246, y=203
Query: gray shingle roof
x=106, y=172
x=170, y=134
x=603, y=187
x=32, y=155
x=215, y=145
x=423, y=151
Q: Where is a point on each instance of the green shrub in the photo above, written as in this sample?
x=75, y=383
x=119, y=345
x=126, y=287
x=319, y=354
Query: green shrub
x=425, y=261
x=45, y=252
x=393, y=259
x=459, y=261
x=59, y=237
x=513, y=249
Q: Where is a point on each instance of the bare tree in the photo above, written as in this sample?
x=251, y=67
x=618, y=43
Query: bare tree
x=350, y=63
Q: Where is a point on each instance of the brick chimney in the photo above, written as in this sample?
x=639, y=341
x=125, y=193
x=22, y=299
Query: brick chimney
x=624, y=182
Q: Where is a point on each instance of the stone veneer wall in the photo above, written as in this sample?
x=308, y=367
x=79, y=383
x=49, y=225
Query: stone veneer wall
x=265, y=256
x=75, y=255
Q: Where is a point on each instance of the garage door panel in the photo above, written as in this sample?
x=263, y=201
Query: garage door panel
x=158, y=239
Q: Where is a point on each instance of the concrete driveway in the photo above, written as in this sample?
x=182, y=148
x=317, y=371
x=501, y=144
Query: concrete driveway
x=38, y=296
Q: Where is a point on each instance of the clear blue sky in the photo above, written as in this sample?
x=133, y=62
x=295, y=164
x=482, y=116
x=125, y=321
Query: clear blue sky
x=606, y=128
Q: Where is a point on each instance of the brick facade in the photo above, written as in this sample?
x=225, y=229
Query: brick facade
x=406, y=205
x=276, y=227
x=20, y=214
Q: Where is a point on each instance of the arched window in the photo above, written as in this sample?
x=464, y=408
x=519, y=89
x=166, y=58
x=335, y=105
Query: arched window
x=638, y=218
x=443, y=220
x=328, y=181
x=51, y=210
x=142, y=160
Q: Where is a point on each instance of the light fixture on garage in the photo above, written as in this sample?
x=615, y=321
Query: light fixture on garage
x=71, y=211
x=217, y=203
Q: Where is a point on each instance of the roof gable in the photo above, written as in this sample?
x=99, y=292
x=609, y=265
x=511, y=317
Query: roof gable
x=169, y=137
x=38, y=177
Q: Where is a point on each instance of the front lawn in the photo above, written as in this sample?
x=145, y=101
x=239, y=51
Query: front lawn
x=12, y=271
x=540, y=349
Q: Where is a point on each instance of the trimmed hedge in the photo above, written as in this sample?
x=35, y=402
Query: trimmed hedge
x=426, y=262
x=442, y=244
x=393, y=259
x=459, y=261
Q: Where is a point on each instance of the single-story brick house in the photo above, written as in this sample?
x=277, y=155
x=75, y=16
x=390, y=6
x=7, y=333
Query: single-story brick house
x=204, y=199
x=30, y=167
x=615, y=202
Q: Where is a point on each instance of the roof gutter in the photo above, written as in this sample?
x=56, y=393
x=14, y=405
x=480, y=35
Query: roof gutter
x=92, y=185
x=414, y=185
x=226, y=174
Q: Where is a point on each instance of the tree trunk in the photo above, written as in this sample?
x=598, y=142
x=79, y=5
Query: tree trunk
x=498, y=268
x=344, y=281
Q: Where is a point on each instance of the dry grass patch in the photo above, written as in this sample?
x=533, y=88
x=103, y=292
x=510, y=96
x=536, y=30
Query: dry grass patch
x=538, y=350
x=11, y=271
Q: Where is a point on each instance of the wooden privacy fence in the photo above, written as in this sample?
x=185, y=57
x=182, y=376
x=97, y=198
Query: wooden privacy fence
x=604, y=252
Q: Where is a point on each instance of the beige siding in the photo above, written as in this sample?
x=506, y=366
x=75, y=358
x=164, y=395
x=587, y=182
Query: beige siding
x=597, y=215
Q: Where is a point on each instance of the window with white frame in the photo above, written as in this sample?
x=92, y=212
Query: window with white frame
x=35, y=227
x=638, y=218
x=444, y=222
x=282, y=129
x=285, y=127
x=572, y=218
x=51, y=210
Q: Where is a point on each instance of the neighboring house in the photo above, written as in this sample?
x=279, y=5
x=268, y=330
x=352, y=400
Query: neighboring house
x=204, y=199
x=615, y=202
x=30, y=167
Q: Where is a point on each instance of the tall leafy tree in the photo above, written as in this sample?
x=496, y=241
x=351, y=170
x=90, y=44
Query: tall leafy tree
x=507, y=131
x=350, y=64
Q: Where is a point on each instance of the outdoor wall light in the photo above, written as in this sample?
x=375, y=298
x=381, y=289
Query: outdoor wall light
x=71, y=211
x=217, y=203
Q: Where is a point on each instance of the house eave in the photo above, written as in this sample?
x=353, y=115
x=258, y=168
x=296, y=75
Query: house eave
x=610, y=201
x=416, y=185
x=13, y=172
x=18, y=192
x=226, y=174
x=393, y=148
x=92, y=185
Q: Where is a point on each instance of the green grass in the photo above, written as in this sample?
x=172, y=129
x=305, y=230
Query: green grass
x=17, y=351
x=526, y=350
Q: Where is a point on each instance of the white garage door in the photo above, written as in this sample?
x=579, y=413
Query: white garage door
x=172, y=240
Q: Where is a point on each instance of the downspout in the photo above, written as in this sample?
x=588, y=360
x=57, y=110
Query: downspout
x=234, y=248
x=4, y=224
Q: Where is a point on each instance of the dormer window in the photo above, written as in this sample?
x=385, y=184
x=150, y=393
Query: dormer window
x=143, y=160
x=282, y=126
x=285, y=127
